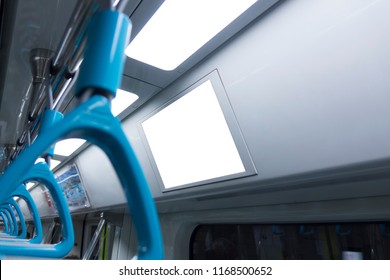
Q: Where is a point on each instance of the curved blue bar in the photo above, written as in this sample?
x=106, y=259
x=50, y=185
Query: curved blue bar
x=11, y=216
x=22, y=192
x=41, y=173
x=11, y=225
x=49, y=118
x=103, y=62
x=94, y=122
x=5, y=221
x=22, y=221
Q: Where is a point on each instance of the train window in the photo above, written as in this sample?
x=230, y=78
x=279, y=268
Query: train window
x=369, y=241
x=191, y=140
x=178, y=32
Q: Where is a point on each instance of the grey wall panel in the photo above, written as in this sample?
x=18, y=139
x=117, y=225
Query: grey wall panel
x=310, y=91
x=308, y=85
x=41, y=201
x=100, y=181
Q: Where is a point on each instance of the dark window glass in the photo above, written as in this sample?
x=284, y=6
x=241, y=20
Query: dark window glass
x=370, y=241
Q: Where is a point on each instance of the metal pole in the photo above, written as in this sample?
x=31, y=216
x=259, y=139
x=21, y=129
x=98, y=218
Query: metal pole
x=95, y=238
x=70, y=34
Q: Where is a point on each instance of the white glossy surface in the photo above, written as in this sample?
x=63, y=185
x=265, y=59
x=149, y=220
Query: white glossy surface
x=191, y=141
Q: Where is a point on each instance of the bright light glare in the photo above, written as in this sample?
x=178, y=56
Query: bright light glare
x=40, y=160
x=122, y=100
x=29, y=185
x=54, y=163
x=191, y=141
x=68, y=146
x=181, y=27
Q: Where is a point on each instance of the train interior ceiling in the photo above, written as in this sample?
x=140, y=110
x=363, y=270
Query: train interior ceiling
x=269, y=139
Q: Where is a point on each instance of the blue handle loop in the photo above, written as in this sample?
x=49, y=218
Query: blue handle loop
x=22, y=192
x=8, y=215
x=94, y=122
x=23, y=231
x=5, y=222
x=41, y=173
x=102, y=67
x=101, y=73
x=48, y=119
x=5, y=208
x=22, y=221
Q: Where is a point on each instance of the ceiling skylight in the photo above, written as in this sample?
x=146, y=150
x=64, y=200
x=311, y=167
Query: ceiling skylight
x=122, y=100
x=181, y=27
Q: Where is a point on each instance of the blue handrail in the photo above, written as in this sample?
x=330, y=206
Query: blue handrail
x=25, y=195
x=22, y=192
x=11, y=226
x=5, y=222
x=22, y=221
x=93, y=121
x=41, y=173
x=5, y=208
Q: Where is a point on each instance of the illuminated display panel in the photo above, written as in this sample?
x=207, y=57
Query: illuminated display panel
x=179, y=28
x=72, y=188
x=191, y=142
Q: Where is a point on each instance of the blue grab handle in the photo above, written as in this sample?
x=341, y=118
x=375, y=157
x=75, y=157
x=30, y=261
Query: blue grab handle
x=22, y=221
x=11, y=227
x=94, y=122
x=101, y=72
x=22, y=192
x=5, y=222
x=102, y=67
x=11, y=216
x=48, y=119
x=40, y=172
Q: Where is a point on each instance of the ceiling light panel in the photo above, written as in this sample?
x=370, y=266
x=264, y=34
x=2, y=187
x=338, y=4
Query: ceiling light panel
x=180, y=27
x=122, y=101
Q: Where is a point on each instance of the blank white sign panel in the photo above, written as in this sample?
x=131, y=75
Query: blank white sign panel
x=191, y=141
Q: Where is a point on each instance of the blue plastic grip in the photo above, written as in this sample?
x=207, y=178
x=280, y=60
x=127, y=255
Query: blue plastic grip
x=48, y=119
x=7, y=210
x=7, y=214
x=94, y=122
x=26, y=196
x=5, y=222
x=22, y=221
x=102, y=67
x=40, y=172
